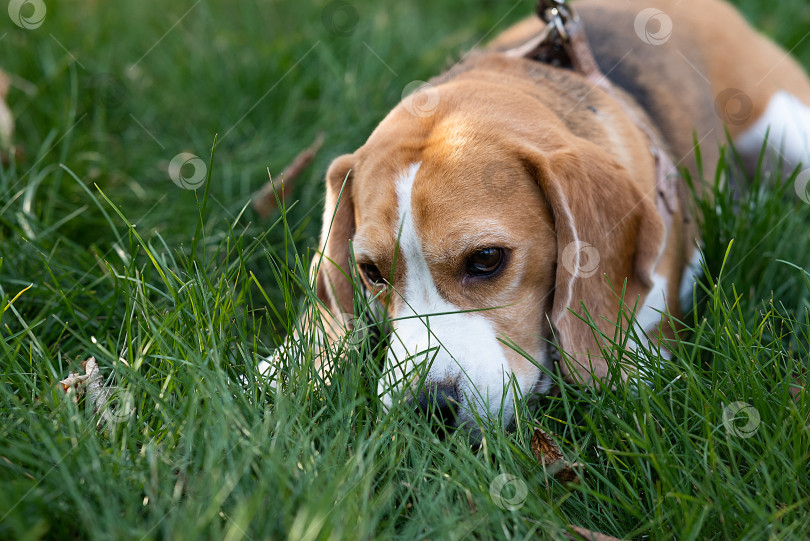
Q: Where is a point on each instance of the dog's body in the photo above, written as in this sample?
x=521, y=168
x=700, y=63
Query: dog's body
x=489, y=208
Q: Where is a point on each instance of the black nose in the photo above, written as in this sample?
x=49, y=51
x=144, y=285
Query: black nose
x=439, y=403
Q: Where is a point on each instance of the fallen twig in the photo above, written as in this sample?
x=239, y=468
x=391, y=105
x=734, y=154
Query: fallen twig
x=264, y=201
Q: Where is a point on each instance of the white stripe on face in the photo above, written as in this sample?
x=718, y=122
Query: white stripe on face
x=455, y=348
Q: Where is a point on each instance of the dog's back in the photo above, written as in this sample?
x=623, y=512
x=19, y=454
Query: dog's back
x=695, y=68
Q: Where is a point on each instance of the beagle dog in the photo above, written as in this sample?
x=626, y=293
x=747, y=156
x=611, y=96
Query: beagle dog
x=508, y=209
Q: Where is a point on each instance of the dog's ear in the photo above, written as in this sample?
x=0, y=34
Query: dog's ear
x=608, y=231
x=333, y=285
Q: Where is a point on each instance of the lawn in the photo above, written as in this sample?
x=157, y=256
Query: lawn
x=178, y=293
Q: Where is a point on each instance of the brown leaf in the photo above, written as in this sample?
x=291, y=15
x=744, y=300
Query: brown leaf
x=547, y=451
x=571, y=473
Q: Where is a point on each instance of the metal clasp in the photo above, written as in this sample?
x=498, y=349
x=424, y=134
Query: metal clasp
x=556, y=13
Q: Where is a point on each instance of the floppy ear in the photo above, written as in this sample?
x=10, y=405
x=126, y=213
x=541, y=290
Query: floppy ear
x=333, y=287
x=607, y=229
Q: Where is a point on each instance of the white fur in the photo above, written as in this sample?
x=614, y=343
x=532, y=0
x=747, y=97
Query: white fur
x=691, y=274
x=460, y=348
x=789, y=122
x=268, y=369
x=647, y=317
x=649, y=314
x=575, y=276
x=265, y=367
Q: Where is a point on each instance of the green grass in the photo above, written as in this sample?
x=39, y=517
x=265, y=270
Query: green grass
x=191, y=290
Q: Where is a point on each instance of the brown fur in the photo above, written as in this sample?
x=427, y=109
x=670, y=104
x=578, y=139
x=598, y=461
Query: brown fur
x=549, y=159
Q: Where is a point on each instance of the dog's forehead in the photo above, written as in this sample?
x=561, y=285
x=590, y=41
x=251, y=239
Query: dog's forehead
x=489, y=199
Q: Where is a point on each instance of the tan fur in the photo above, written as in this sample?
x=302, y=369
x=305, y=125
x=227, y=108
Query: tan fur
x=712, y=49
x=530, y=157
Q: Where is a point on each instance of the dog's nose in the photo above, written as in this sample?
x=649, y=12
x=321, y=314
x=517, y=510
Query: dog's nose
x=439, y=402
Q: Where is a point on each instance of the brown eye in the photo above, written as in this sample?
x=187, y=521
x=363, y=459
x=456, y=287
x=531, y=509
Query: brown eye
x=485, y=262
x=371, y=273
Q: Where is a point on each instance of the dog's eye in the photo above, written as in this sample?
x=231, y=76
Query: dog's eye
x=371, y=273
x=485, y=262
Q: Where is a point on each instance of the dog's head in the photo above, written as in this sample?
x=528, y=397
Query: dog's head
x=481, y=228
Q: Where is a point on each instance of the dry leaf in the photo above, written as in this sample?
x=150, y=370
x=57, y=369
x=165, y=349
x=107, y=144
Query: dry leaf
x=98, y=396
x=547, y=451
x=78, y=382
x=571, y=473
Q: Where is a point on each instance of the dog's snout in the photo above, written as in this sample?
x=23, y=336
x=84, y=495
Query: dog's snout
x=439, y=403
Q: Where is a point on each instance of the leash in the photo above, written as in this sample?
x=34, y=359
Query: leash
x=562, y=43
